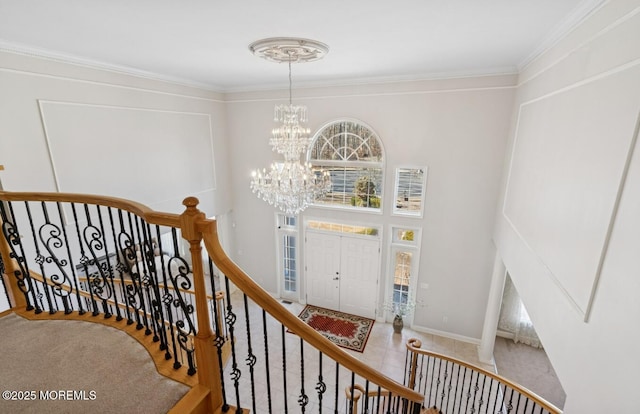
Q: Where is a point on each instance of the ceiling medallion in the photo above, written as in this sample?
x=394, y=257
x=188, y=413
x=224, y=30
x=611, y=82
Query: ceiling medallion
x=289, y=49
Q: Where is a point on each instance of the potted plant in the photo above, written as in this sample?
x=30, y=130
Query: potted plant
x=400, y=310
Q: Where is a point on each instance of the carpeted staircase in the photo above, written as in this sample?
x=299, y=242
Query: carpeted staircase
x=78, y=367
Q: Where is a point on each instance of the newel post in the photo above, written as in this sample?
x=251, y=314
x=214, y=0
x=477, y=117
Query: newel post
x=208, y=369
x=413, y=368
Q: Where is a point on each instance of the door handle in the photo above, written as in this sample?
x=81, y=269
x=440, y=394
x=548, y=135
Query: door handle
x=336, y=278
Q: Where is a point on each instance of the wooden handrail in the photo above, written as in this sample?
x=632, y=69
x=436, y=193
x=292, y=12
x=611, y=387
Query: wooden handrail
x=194, y=226
x=263, y=299
x=149, y=215
x=414, y=345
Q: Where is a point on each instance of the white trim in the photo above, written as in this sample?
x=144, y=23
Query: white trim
x=381, y=165
x=44, y=54
x=279, y=233
x=584, y=10
x=381, y=80
x=584, y=313
x=130, y=108
x=31, y=51
x=373, y=94
x=445, y=334
x=581, y=45
x=405, y=213
x=111, y=84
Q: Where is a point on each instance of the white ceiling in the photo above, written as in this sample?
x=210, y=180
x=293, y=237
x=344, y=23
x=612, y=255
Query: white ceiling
x=205, y=42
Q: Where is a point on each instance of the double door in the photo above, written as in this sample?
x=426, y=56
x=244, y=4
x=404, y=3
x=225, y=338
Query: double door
x=342, y=272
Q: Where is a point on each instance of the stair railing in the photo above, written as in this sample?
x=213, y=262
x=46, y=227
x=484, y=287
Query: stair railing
x=116, y=262
x=53, y=240
x=454, y=386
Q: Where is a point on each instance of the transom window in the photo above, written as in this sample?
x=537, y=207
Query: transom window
x=353, y=155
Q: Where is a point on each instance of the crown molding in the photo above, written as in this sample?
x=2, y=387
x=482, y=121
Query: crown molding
x=578, y=15
x=30, y=51
x=365, y=81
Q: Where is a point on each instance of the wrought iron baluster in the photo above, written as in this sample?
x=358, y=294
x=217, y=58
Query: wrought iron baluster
x=220, y=340
x=72, y=268
x=284, y=368
x=481, y=401
x=266, y=357
x=365, y=408
x=84, y=262
x=184, y=325
x=475, y=391
x=49, y=235
x=22, y=274
x=455, y=389
x=431, y=360
x=167, y=300
x=498, y=392
x=337, y=387
x=353, y=390
x=143, y=276
x=251, y=358
x=107, y=268
x=438, y=381
x=388, y=403
x=303, y=399
x=4, y=286
x=149, y=277
x=157, y=301
x=231, y=321
x=422, y=375
x=378, y=400
x=518, y=402
x=449, y=387
x=118, y=267
x=526, y=404
x=97, y=281
x=127, y=251
x=40, y=261
x=462, y=389
x=321, y=387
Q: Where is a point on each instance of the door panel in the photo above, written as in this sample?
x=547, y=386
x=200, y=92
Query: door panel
x=360, y=266
x=322, y=256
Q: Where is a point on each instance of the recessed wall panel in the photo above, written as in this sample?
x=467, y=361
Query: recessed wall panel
x=569, y=161
x=151, y=156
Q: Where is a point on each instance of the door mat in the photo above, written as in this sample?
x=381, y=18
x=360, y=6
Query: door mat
x=343, y=329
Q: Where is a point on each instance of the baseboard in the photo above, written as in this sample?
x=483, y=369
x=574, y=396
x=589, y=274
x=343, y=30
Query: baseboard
x=449, y=335
x=505, y=334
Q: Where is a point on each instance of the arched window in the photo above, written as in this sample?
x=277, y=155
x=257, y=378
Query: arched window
x=352, y=153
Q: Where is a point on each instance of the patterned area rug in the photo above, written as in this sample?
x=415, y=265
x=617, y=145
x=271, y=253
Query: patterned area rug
x=343, y=329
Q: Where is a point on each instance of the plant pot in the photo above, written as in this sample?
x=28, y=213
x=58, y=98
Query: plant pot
x=397, y=324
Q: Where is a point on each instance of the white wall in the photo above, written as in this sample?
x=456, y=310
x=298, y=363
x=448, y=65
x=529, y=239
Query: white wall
x=71, y=128
x=456, y=127
x=568, y=228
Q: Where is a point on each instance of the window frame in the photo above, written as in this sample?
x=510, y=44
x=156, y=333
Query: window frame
x=397, y=245
x=364, y=165
x=283, y=229
x=397, y=196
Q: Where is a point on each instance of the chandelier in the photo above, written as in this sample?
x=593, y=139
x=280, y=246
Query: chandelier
x=289, y=184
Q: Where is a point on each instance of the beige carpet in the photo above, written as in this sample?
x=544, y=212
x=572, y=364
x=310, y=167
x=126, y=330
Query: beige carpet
x=110, y=371
x=529, y=367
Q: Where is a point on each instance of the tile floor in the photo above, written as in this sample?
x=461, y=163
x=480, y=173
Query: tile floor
x=385, y=351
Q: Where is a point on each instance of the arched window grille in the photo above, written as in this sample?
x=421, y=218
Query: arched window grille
x=353, y=155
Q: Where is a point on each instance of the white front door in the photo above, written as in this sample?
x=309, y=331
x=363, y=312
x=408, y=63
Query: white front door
x=322, y=256
x=360, y=268
x=342, y=273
